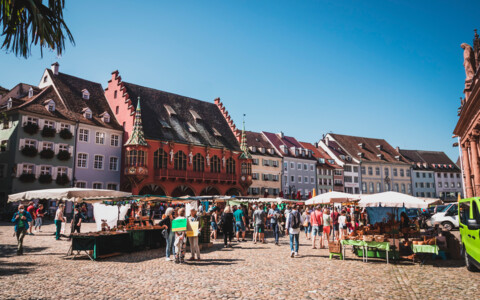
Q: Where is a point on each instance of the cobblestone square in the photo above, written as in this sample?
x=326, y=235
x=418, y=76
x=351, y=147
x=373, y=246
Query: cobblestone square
x=246, y=271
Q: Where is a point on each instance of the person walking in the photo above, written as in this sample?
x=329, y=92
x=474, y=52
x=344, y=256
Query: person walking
x=59, y=218
x=180, y=237
x=293, y=225
x=227, y=226
x=260, y=219
x=273, y=215
x=327, y=222
x=316, y=219
x=21, y=219
x=166, y=223
x=31, y=210
x=240, y=223
x=193, y=240
x=214, y=223
x=77, y=220
x=39, y=220
x=342, y=224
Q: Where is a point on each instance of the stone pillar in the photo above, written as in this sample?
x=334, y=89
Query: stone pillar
x=467, y=172
x=474, y=161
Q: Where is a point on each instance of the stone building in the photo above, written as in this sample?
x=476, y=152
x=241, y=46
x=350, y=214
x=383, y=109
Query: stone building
x=467, y=129
x=266, y=166
x=176, y=145
x=325, y=168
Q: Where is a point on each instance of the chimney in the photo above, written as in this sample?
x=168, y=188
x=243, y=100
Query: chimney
x=55, y=68
x=398, y=149
x=316, y=145
x=281, y=134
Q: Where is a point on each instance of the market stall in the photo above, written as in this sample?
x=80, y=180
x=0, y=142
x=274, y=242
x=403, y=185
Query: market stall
x=332, y=197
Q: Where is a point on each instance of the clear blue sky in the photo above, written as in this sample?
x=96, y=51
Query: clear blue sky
x=383, y=69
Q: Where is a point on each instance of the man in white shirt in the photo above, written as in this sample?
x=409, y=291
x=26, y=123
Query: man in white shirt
x=293, y=225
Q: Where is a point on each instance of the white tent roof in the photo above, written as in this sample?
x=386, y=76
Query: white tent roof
x=331, y=197
x=71, y=194
x=432, y=201
x=391, y=199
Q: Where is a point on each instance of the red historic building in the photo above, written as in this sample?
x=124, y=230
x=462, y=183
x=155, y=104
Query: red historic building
x=176, y=145
x=468, y=126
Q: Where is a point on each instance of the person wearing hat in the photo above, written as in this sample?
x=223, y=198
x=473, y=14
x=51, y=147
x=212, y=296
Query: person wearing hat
x=194, y=248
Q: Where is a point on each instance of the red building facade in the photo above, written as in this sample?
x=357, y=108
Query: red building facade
x=176, y=145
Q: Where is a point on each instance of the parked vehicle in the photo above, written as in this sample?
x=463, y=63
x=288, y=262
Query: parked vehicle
x=436, y=209
x=448, y=218
x=469, y=216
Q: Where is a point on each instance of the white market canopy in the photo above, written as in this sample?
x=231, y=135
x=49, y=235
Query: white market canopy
x=391, y=199
x=332, y=197
x=69, y=194
x=432, y=201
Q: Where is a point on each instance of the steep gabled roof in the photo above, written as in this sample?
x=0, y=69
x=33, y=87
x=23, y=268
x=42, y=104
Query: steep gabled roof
x=319, y=153
x=169, y=117
x=257, y=140
x=70, y=89
x=374, y=150
x=277, y=140
x=19, y=93
x=430, y=160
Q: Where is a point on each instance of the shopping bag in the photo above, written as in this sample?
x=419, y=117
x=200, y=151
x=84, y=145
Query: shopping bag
x=192, y=229
x=62, y=230
x=179, y=225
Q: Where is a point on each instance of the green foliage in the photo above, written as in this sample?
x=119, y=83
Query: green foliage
x=62, y=179
x=66, y=134
x=27, y=177
x=30, y=22
x=47, y=153
x=30, y=128
x=45, y=178
x=29, y=151
x=63, y=155
x=48, y=132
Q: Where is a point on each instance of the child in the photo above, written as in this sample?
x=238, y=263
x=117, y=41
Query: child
x=179, y=243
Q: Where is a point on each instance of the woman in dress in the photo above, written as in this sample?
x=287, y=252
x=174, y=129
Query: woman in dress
x=227, y=226
x=214, y=223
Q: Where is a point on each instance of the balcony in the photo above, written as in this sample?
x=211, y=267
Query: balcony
x=194, y=176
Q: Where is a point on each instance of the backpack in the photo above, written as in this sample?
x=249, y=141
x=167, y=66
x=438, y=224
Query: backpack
x=295, y=222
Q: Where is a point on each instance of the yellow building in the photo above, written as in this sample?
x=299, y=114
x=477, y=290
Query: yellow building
x=266, y=166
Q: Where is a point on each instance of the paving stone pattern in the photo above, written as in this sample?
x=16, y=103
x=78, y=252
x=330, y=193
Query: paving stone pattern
x=246, y=271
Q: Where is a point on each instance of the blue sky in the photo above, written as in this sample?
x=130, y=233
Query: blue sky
x=383, y=69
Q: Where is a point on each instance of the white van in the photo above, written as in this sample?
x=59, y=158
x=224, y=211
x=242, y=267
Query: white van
x=448, y=218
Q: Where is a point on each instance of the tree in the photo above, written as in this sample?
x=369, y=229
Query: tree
x=30, y=22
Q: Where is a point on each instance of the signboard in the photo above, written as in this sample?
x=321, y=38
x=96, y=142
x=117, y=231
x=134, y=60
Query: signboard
x=179, y=225
x=192, y=229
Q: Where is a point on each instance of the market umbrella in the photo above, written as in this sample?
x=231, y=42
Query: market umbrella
x=331, y=197
x=314, y=192
x=391, y=199
x=70, y=194
x=309, y=195
x=299, y=196
x=432, y=201
x=280, y=195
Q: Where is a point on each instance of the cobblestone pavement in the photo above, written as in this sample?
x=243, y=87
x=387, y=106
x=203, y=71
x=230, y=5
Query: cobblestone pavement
x=261, y=271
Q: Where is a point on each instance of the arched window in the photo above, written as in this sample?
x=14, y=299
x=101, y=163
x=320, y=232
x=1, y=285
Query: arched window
x=198, y=163
x=215, y=164
x=160, y=158
x=136, y=158
x=230, y=166
x=180, y=161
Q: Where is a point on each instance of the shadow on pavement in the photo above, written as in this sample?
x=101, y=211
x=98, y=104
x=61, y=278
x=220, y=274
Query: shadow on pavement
x=11, y=250
x=7, y=268
x=214, y=262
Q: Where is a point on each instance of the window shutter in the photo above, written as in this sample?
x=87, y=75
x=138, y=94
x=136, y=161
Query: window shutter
x=40, y=146
x=54, y=173
x=7, y=147
x=70, y=149
x=69, y=173
x=24, y=120
x=57, y=126
x=19, y=169
x=57, y=148
x=37, y=171
x=21, y=144
x=41, y=122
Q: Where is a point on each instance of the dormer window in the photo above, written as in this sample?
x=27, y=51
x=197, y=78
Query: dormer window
x=87, y=113
x=9, y=103
x=254, y=149
x=195, y=115
x=379, y=147
x=85, y=94
x=215, y=132
x=170, y=110
x=50, y=105
x=30, y=92
x=106, y=118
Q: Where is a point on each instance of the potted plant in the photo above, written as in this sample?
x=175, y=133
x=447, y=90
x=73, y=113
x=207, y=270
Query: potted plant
x=30, y=151
x=47, y=153
x=45, y=178
x=48, y=132
x=63, y=155
x=30, y=128
x=62, y=179
x=66, y=134
x=27, y=177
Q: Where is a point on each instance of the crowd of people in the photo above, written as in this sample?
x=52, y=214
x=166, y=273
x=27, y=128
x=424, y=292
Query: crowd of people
x=319, y=224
